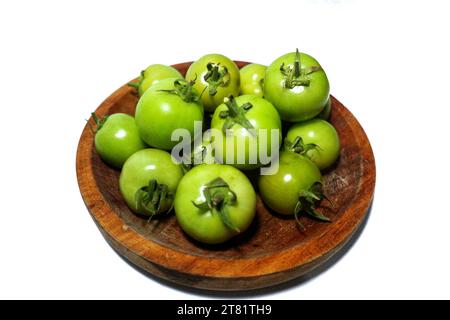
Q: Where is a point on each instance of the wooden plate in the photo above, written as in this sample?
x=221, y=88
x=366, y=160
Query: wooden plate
x=272, y=251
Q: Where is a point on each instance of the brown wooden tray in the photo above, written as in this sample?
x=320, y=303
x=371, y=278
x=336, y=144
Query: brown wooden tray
x=272, y=251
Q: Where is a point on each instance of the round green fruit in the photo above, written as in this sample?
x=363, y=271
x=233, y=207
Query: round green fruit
x=252, y=79
x=316, y=139
x=117, y=138
x=245, y=129
x=216, y=77
x=297, y=86
x=160, y=112
x=215, y=203
x=149, y=180
x=153, y=74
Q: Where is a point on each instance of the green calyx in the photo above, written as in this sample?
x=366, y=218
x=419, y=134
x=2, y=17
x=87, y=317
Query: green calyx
x=185, y=90
x=137, y=84
x=235, y=114
x=307, y=200
x=217, y=76
x=99, y=123
x=218, y=197
x=152, y=199
x=296, y=75
x=298, y=146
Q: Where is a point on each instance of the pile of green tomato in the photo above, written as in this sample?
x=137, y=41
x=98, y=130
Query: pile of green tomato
x=214, y=202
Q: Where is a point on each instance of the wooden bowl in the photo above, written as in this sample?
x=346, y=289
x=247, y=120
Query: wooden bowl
x=272, y=251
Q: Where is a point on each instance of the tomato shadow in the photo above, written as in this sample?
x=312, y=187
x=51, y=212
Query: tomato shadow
x=268, y=290
x=333, y=167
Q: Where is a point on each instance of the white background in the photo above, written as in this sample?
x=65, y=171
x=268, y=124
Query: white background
x=388, y=61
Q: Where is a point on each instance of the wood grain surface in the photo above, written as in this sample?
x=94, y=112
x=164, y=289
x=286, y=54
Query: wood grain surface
x=272, y=251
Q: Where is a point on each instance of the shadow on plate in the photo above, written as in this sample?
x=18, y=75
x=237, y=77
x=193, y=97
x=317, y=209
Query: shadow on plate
x=269, y=290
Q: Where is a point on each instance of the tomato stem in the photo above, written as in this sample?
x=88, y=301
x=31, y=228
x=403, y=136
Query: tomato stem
x=136, y=85
x=99, y=123
x=218, y=197
x=151, y=199
x=235, y=114
x=298, y=146
x=307, y=200
x=297, y=65
x=216, y=76
x=295, y=75
x=185, y=90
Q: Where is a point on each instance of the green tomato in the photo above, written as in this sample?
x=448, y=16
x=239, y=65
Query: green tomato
x=216, y=77
x=252, y=79
x=149, y=180
x=317, y=139
x=164, y=85
x=214, y=203
x=160, y=112
x=153, y=74
x=297, y=86
x=117, y=138
x=240, y=115
x=295, y=188
x=326, y=112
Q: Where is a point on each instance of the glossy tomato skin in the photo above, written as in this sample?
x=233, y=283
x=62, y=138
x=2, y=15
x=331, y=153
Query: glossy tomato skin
x=281, y=191
x=143, y=166
x=155, y=73
x=206, y=226
x=252, y=79
x=118, y=139
x=262, y=115
x=197, y=72
x=326, y=112
x=164, y=84
x=159, y=113
x=321, y=133
x=301, y=102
